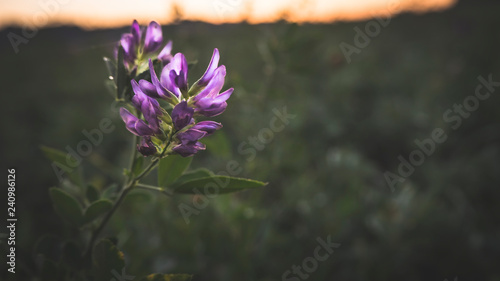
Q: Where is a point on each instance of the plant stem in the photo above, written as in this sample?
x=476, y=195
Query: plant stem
x=130, y=184
x=105, y=220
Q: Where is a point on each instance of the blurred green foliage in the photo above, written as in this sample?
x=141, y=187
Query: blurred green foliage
x=325, y=168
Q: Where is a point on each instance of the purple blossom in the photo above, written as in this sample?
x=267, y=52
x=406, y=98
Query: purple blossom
x=148, y=88
x=174, y=75
x=140, y=42
x=213, y=105
x=153, y=38
x=189, y=144
x=161, y=89
x=135, y=125
x=165, y=55
x=149, y=107
x=182, y=115
x=129, y=48
x=212, y=67
x=209, y=101
x=146, y=147
x=207, y=126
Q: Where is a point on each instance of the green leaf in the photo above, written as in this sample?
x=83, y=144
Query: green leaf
x=216, y=184
x=171, y=168
x=66, y=206
x=63, y=163
x=167, y=277
x=97, y=209
x=194, y=174
x=107, y=259
x=92, y=193
x=121, y=75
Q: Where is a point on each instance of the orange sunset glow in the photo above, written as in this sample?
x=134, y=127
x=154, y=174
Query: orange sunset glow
x=102, y=14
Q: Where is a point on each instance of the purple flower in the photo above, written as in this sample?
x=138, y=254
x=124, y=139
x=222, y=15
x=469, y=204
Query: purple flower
x=212, y=67
x=213, y=105
x=149, y=107
x=189, y=140
x=138, y=43
x=129, y=48
x=146, y=147
x=209, y=101
x=189, y=144
x=153, y=38
x=148, y=88
x=165, y=55
x=182, y=115
x=135, y=125
x=207, y=126
x=161, y=90
x=206, y=100
x=174, y=75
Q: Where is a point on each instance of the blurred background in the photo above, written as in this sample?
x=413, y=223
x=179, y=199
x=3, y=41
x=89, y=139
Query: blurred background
x=359, y=107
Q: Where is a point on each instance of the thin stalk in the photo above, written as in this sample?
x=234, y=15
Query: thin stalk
x=131, y=183
x=105, y=220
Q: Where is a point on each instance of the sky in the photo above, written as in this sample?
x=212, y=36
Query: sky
x=90, y=14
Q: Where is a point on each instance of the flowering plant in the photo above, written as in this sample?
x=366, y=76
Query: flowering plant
x=162, y=114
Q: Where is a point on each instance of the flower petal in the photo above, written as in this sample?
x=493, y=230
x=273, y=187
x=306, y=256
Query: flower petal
x=153, y=38
x=148, y=88
x=135, y=30
x=129, y=47
x=207, y=126
x=191, y=135
x=182, y=115
x=162, y=92
x=209, y=73
x=146, y=147
x=165, y=55
x=129, y=120
x=215, y=85
x=143, y=129
x=178, y=80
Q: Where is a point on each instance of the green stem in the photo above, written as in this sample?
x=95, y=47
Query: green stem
x=105, y=220
x=130, y=184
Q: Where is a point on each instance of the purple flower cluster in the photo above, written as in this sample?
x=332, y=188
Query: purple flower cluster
x=178, y=132
x=141, y=43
